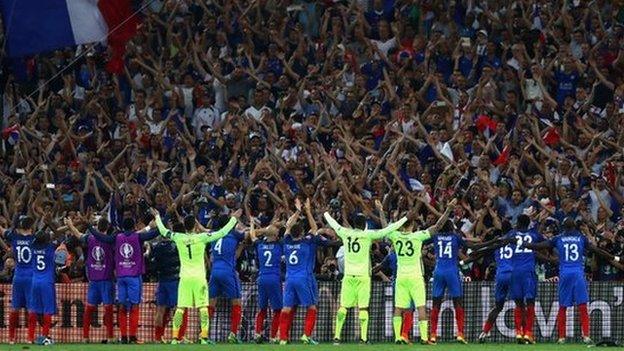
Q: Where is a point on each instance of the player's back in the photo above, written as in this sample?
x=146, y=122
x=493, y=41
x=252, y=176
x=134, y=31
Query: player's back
x=191, y=249
x=165, y=260
x=128, y=255
x=447, y=246
x=357, y=252
x=300, y=256
x=503, y=257
x=570, y=246
x=223, y=251
x=100, y=263
x=44, y=265
x=407, y=249
x=523, y=259
x=22, y=252
x=269, y=254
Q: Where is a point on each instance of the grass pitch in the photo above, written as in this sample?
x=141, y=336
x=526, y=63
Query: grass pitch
x=295, y=347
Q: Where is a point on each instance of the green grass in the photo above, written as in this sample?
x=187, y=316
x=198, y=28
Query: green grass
x=321, y=347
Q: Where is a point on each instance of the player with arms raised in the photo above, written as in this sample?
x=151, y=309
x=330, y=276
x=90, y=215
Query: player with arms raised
x=300, y=288
x=410, y=285
x=192, y=288
x=21, y=240
x=356, y=283
x=269, y=253
x=571, y=246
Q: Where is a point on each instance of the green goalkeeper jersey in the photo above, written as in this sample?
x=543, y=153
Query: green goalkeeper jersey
x=357, y=245
x=407, y=247
x=191, y=247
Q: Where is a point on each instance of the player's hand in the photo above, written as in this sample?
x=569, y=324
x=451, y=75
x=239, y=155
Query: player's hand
x=237, y=214
x=379, y=205
x=298, y=204
x=453, y=203
x=154, y=212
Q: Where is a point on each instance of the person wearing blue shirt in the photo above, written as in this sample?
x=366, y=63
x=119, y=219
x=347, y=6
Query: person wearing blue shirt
x=269, y=254
x=224, y=280
x=567, y=79
x=21, y=240
x=571, y=246
x=446, y=276
x=300, y=287
x=523, y=277
x=43, y=293
x=503, y=253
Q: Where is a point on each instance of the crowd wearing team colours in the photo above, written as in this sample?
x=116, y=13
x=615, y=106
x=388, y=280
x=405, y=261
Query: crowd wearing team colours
x=116, y=264
x=422, y=143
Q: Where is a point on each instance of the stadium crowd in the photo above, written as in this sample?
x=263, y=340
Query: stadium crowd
x=514, y=106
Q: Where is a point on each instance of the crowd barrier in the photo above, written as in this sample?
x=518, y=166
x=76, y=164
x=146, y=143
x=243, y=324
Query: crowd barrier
x=606, y=310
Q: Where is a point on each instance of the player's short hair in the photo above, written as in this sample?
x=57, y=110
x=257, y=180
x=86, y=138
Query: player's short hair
x=178, y=226
x=569, y=224
x=359, y=221
x=189, y=222
x=523, y=221
x=102, y=225
x=296, y=230
x=128, y=223
x=220, y=222
x=42, y=237
x=25, y=222
x=448, y=227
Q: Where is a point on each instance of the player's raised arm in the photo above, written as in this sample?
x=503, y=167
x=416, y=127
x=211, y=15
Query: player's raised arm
x=338, y=229
x=252, y=230
x=607, y=256
x=72, y=229
x=291, y=221
x=160, y=225
x=310, y=217
x=226, y=228
x=546, y=244
x=445, y=216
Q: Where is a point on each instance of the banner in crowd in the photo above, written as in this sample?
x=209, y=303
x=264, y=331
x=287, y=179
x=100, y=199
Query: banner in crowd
x=606, y=309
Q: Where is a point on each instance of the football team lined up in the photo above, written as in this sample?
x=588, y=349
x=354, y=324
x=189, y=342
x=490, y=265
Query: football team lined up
x=118, y=260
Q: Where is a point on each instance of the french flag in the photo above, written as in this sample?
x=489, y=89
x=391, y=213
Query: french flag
x=35, y=26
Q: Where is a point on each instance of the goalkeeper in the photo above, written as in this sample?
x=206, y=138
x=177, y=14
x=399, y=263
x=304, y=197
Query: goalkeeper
x=410, y=285
x=193, y=288
x=356, y=283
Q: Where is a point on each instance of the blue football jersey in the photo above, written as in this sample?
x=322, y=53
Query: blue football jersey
x=223, y=251
x=503, y=257
x=447, y=246
x=523, y=258
x=300, y=256
x=22, y=251
x=571, y=249
x=44, y=265
x=269, y=256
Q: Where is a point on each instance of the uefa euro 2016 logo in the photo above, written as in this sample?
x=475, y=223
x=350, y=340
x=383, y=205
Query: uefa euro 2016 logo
x=126, y=250
x=97, y=253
